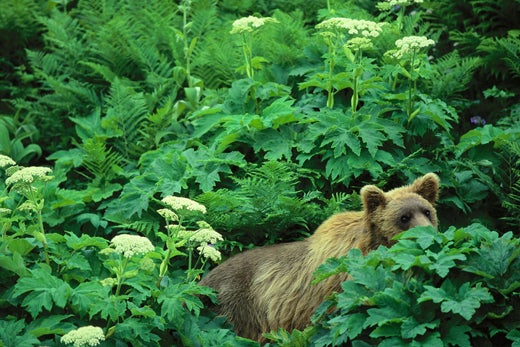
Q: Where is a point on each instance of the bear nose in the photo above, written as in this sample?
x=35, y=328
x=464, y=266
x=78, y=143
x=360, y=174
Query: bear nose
x=420, y=220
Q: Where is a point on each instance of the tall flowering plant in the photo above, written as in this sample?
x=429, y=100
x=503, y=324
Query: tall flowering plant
x=246, y=27
x=198, y=238
x=26, y=186
x=351, y=37
x=408, y=53
x=397, y=6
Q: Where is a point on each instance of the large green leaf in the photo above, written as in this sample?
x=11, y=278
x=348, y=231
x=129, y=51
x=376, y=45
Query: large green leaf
x=45, y=291
x=464, y=301
x=12, y=334
x=86, y=296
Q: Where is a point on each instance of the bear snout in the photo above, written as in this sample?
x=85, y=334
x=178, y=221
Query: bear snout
x=421, y=219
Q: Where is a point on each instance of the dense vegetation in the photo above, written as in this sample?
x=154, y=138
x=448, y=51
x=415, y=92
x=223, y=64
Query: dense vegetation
x=128, y=127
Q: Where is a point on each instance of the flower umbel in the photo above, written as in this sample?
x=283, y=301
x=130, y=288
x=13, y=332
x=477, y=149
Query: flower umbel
x=28, y=175
x=361, y=27
x=249, y=24
x=84, y=336
x=179, y=203
x=389, y=4
x=410, y=44
x=362, y=43
x=6, y=161
x=169, y=215
x=208, y=251
x=129, y=245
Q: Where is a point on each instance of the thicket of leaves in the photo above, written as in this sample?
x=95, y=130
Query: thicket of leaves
x=131, y=102
x=457, y=287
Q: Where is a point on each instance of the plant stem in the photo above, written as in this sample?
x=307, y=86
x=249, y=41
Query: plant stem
x=410, y=80
x=330, y=94
x=248, y=55
x=356, y=74
x=163, y=267
x=120, y=275
x=45, y=246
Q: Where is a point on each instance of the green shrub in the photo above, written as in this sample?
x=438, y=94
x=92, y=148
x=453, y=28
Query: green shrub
x=459, y=287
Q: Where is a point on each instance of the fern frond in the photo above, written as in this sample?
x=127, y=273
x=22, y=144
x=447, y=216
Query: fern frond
x=126, y=112
x=511, y=175
x=502, y=54
x=102, y=163
x=283, y=43
x=452, y=75
x=145, y=227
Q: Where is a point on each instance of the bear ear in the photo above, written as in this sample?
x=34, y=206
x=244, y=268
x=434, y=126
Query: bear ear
x=427, y=186
x=372, y=198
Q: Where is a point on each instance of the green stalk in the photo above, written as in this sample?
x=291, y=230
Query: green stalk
x=41, y=237
x=411, y=95
x=356, y=74
x=187, y=49
x=248, y=55
x=163, y=267
x=330, y=94
x=119, y=275
x=45, y=246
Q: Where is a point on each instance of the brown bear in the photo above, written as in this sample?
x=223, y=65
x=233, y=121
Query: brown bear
x=270, y=287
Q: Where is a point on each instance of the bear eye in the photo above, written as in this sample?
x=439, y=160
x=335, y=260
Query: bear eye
x=405, y=219
x=427, y=213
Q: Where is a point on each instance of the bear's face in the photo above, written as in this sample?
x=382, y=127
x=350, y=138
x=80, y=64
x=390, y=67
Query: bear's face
x=390, y=213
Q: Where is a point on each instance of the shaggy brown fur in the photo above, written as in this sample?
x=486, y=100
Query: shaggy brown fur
x=267, y=288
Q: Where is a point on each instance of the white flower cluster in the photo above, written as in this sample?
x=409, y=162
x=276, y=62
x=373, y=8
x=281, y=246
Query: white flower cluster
x=27, y=175
x=179, y=203
x=206, y=234
x=410, y=44
x=362, y=43
x=208, y=251
x=129, y=245
x=84, y=336
x=6, y=161
x=389, y=4
x=204, y=238
x=249, y=24
x=167, y=214
x=361, y=27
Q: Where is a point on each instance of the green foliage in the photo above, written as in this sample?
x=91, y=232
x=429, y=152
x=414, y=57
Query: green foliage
x=15, y=140
x=502, y=54
x=63, y=281
x=130, y=102
x=267, y=195
x=457, y=287
x=512, y=182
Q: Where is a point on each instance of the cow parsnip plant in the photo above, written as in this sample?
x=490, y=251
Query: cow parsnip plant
x=457, y=287
x=83, y=289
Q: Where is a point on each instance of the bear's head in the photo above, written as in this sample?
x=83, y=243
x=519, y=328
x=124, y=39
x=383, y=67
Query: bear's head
x=389, y=213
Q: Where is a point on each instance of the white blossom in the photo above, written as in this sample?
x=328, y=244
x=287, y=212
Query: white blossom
x=389, y=4
x=84, y=336
x=361, y=43
x=361, y=27
x=6, y=161
x=4, y=211
x=208, y=251
x=248, y=24
x=410, y=44
x=167, y=214
x=129, y=245
x=28, y=175
x=206, y=234
x=179, y=203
